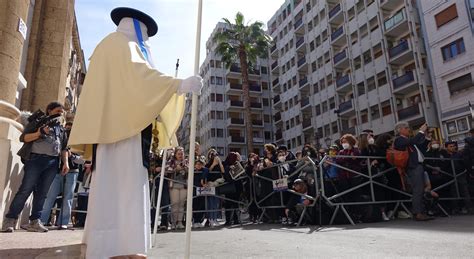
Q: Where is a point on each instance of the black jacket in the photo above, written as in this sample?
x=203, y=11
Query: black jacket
x=468, y=155
x=402, y=143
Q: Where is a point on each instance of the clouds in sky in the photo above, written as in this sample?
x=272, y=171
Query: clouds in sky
x=176, y=21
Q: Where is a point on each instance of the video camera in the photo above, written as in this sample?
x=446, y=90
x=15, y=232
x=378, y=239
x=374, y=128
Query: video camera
x=40, y=119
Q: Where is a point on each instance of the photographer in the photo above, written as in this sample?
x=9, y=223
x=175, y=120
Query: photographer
x=44, y=144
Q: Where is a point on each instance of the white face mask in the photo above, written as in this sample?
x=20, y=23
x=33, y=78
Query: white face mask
x=435, y=146
x=371, y=141
x=346, y=145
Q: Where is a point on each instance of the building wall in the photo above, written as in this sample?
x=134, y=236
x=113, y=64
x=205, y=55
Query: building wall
x=454, y=110
x=361, y=63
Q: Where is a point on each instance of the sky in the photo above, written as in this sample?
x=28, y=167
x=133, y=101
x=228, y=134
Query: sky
x=176, y=20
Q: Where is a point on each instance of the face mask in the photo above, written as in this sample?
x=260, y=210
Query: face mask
x=281, y=158
x=346, y=145
x=435, y=146
x=371, y=141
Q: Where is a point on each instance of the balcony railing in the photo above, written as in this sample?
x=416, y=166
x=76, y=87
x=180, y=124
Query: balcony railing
x=239, y=121
x=276, y=99
x=402, y=80
x=334, y=10
x=236, y=103
x=235, y=86
x=408, y=112
x=277, y=116
x=298, y=23
x=274, y=65
x=237, y=139
x=303, y=81
x=299, y=42
x=256, y=105
x=337, y=33
x=306, y=123
x=394, y=20
x=304, y=102
x=340, y=56
x=275, y=82
x=345, y=106
x=254, y=71
x=400, y=48
x=301, y=61
x=235, y=69
x=278, y=135
x=257, y=122
x=255, y=88
x=342, y=80
x=273, y=48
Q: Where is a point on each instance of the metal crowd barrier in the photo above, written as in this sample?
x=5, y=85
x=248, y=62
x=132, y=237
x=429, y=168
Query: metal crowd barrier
x=200, y=191
x=283, y=177
x=369, y=178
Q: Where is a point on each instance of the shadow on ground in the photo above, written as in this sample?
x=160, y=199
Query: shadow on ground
x=69, y=252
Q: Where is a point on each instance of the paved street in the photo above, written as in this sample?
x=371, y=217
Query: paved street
x=443, y=238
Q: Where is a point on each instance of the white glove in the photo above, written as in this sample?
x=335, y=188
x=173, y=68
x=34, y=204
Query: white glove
x=191, y=84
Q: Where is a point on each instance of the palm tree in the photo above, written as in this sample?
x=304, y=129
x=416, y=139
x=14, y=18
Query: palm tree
x=243, y=43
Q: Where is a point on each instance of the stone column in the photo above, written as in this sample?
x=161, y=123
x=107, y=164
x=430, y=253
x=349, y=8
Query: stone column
x=11, y=46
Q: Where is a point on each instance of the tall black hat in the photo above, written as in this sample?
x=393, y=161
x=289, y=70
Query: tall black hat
x=121, y=12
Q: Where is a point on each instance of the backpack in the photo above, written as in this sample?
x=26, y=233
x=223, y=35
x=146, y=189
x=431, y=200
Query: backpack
x=397, y=158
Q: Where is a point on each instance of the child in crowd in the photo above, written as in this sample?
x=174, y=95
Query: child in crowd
x=212, y=201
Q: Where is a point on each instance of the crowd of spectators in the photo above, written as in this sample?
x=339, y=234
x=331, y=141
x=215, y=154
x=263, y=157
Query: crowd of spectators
x=435, y=170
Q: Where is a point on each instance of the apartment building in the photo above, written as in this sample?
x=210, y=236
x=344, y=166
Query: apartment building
x=344, y=66
x=221, y=114
x=448, y=31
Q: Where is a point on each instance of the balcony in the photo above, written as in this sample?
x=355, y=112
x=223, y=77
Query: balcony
x=337, y=37
x=255, y=105
x=258, y=140
x=255, y=88
x=341, y=60
x=335, y=15
x=401, y=53
x=411, y=112
x=277, y=117
x=273, y=48
x=343, y=83
x=305, y=103
x=301, y=61
x=299, y=43
x=235, y=122
x=299, y=25
x=307, y=124
x=231, y=104
x=350, y=130
x=397, y=24
x=346, y=107
x=391, y=4
x=257, y=123
x=276, y=99
x=405, y=84
x=233, y=88
x=254, y=71
x=278, y=135
x=303, y=82
x=236, y=140
x=274, y=65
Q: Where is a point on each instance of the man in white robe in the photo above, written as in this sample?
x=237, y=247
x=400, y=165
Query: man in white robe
x=122, y=95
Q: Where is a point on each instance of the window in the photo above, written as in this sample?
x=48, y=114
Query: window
x=266, y=118
x=318, y=110
x=213, y=80
x=219, y=115
x=220, y=133
x=460, y=84
x=264, y=70
x=213, y=97
x=453, y=49
x=374, y=112
x=446, y=16
x=386, y=109
x=213, y=133
x=218, y=80
x=219, y=98
x=268, y=135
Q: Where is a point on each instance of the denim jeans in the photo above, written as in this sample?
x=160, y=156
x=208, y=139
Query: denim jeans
x=212, y=204
x=39, y=174
x=56, y=188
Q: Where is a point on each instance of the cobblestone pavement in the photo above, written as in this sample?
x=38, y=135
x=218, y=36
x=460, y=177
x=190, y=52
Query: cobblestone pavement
x=451, y=237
